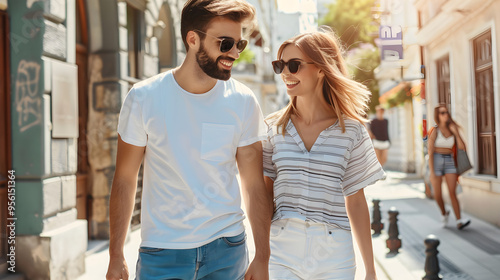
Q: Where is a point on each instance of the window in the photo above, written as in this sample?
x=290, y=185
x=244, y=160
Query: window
x=485, y=113
x=166, y=42
x=443, y=78
x=135, y=50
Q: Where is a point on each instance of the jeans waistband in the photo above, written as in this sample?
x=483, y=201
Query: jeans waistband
x=444, y=155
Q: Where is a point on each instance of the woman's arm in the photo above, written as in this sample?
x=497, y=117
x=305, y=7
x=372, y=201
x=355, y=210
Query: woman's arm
x=359, y=217
x=430, y=150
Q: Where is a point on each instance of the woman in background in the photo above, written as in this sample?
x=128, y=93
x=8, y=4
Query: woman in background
x=442, y=164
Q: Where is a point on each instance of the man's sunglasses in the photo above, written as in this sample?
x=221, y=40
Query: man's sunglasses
x=293, y=65
x=227, y=43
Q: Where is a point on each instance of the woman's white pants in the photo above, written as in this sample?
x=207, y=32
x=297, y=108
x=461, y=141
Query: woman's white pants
x=309, y=250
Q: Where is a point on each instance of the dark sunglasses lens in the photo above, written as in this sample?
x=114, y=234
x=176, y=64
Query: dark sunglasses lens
x=226, y=45
x=293, y=66
x=278, y=66
x=241, y=45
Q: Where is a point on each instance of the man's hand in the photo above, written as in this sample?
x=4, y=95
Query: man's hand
x=259, y=203
x=121, y=205
x=258, y=270
x=117, y=269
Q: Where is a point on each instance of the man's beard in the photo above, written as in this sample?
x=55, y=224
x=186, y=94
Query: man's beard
x=211, y=67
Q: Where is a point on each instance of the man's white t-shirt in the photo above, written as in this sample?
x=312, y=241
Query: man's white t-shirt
x=190, y=193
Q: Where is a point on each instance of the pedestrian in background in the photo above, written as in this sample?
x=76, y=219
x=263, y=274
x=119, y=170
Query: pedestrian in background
x=191, y=125
x=317, y=159
x=442, y=141
x=379, y=133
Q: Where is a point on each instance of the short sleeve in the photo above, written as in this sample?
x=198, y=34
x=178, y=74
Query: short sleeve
x=130, y=122
x=269, y=167
x=363, y=168
x=253, y=127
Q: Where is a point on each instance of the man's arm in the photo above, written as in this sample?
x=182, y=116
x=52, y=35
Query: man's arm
x=259, y=206
x=121, y=205
x=369, y=128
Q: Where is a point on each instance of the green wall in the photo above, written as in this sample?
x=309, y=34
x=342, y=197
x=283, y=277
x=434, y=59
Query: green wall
x=27, y=86
x=26, y=30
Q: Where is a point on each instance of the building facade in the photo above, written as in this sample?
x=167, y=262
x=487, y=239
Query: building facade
x=400, y=76
x=64, y=75
x=461, y=42
x=66, y=71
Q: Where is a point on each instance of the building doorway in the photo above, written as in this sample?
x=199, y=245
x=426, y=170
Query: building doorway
x=82, y=175
x=485, y=105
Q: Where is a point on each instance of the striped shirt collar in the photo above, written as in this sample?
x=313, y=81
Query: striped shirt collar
x=292, y=130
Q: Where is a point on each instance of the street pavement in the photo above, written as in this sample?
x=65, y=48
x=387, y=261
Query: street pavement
x=472, y=253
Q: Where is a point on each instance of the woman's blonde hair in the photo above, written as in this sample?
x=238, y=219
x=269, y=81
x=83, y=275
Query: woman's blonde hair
x=348, y=98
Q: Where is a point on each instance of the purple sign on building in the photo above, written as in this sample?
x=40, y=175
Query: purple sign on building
x=391, y=42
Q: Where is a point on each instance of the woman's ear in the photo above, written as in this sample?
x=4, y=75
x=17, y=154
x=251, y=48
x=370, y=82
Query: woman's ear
x=192, y=40
x=321, y=74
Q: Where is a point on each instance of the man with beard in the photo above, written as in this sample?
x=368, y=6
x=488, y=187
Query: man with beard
x=191, y=126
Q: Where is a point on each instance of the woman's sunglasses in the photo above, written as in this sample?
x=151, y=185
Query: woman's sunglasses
x=227, y=43
x=443, y=112
x=293, y=65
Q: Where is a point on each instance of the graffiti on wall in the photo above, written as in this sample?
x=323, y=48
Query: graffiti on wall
x=28, y=101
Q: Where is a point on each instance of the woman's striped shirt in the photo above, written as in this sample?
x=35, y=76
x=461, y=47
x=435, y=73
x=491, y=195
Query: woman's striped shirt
x=311, y=185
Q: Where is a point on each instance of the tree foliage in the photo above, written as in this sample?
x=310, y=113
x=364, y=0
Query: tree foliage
x=246, y=56
x=352, y=20
x=357, y=29
x=362, y=63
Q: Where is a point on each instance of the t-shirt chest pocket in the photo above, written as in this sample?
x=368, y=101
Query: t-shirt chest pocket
x=217, y=142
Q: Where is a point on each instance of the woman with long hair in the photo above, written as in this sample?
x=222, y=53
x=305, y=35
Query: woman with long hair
x=442, y=140
x=317, y=159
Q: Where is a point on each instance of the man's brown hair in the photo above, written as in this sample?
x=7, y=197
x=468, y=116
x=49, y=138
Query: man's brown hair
x=197, y=14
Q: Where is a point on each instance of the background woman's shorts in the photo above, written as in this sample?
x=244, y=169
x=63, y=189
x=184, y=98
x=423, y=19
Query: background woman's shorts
x=444, y=164
x=381, y=145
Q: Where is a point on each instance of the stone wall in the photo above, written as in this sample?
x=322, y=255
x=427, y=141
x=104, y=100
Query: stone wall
x=109, y=82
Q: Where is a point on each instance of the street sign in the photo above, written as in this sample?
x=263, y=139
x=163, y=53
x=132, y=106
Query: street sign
x=391, y=42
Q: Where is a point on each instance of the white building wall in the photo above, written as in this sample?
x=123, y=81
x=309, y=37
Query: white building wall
x=451, y=31
x=406, y=152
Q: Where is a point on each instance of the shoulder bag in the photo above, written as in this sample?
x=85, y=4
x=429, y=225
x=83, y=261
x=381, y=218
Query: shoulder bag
x=463, y=162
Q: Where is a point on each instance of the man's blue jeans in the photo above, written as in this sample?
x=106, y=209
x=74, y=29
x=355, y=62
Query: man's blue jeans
x=223, y=258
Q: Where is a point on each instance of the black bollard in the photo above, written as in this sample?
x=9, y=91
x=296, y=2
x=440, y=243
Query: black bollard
x=377, y=226
x=431, y=260
x=393, y=242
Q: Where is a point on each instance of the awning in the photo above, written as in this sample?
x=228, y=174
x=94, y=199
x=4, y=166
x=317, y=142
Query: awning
x=391, y=93
x=415, y=90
